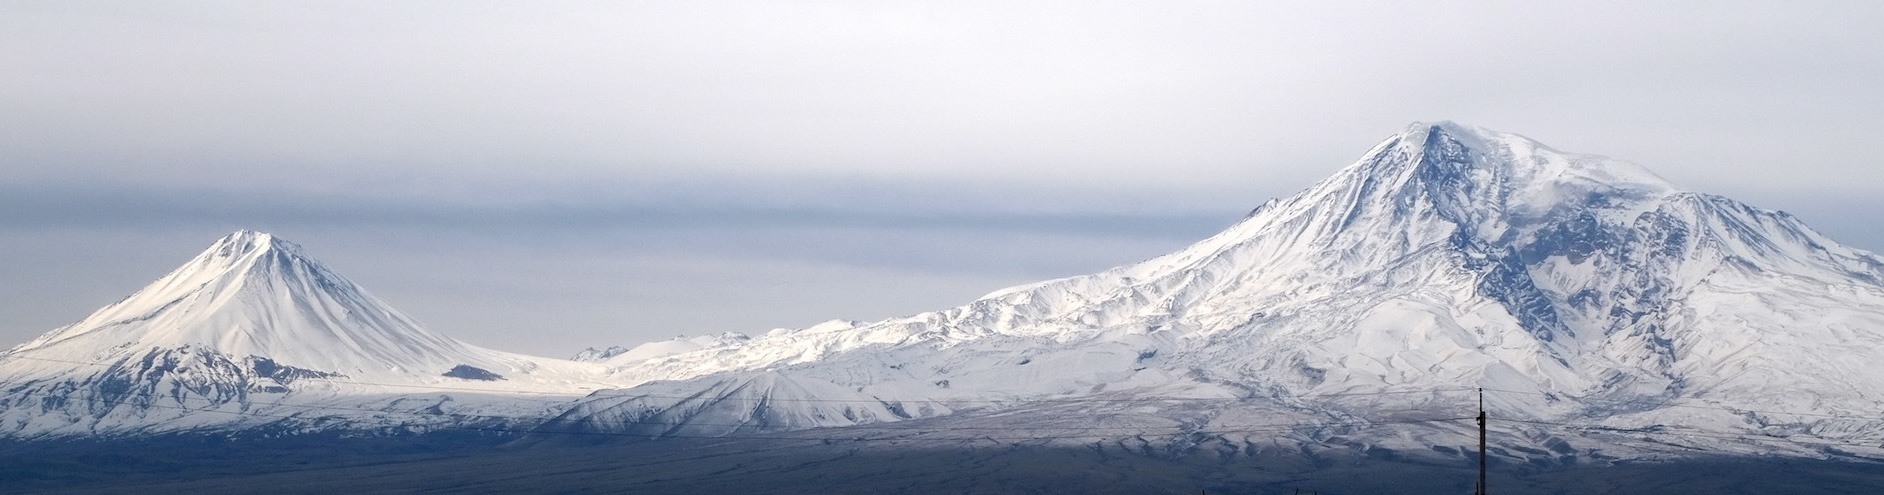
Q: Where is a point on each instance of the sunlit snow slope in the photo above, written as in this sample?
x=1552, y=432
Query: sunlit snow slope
x=252, y=331
x=1584, y=292
x=1606, y=313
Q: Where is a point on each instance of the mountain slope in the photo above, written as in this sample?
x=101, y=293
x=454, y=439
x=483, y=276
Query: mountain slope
x=1606, y=313
x=254, y=331
x=1586, y=292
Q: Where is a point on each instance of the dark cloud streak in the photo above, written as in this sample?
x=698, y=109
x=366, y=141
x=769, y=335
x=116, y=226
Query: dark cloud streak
x=42, y=207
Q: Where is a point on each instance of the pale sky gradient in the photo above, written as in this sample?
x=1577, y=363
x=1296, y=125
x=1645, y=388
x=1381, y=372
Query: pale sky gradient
x=545, y=176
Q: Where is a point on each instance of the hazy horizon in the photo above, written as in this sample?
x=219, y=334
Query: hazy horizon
x=547, y=177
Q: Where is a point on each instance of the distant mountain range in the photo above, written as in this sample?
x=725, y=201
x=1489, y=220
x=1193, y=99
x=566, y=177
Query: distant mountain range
x=1606, y=314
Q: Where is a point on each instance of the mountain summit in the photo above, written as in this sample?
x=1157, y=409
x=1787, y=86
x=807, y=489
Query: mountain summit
x=1605, y=313
x=253, y=294
x=1585, y=290
x=252, y=316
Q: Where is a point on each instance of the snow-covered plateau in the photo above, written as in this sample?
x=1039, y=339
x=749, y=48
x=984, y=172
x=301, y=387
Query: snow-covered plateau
x=1605, y=313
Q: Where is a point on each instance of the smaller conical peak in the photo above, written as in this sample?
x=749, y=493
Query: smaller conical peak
x=244, y=242
x=243, y=258
x=253, y=294
x=248, y=236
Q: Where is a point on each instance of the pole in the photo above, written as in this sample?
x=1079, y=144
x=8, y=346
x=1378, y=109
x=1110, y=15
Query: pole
x=1481, y=442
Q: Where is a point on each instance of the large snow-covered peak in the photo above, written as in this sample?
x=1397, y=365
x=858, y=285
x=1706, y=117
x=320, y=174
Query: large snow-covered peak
x=1446, y=255
x=1477, y=178
x=1451, y=152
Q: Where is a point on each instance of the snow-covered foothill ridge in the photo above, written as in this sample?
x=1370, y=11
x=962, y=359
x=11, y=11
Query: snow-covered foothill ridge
x=617, y=355
x=734, y=404
x=593, y=355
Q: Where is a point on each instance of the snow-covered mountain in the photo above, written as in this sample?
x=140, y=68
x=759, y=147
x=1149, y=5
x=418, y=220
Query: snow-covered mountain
x=660, y=348
x=253, y=332
x=1596, y=301
x=1606, y=312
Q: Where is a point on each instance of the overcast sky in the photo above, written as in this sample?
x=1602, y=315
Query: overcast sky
x=546, y=176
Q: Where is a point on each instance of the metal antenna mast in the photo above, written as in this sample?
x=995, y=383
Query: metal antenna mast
x=1481, y=442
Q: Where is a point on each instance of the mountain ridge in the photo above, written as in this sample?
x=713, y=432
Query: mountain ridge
x=1594, y=300
x=1588, y=289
